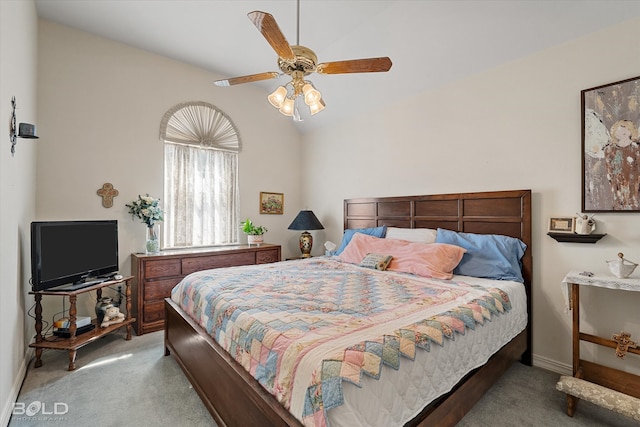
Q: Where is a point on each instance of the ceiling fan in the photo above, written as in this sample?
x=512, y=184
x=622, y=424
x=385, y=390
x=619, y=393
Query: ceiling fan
x=298, y=62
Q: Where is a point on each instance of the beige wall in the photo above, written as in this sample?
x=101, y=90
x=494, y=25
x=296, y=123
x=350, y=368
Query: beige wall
x=100, y=106
x=18, y=53
x=514, y=127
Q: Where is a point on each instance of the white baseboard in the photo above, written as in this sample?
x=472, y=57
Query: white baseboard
x=7, y=410
x=552, y=365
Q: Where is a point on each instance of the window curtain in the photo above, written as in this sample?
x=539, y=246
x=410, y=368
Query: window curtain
x=201, y=196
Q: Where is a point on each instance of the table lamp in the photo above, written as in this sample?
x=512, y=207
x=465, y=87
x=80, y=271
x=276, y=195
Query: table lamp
x=306, y=220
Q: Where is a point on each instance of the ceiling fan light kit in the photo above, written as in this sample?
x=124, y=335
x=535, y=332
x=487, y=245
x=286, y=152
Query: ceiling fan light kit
x=284, y=97
x=297, y=62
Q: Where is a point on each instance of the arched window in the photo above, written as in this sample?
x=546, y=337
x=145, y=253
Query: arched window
x=201, y=196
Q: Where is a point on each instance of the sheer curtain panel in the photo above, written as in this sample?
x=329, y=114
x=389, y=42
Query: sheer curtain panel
x=201, y=197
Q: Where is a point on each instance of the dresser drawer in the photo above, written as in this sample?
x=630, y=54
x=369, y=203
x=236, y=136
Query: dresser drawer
x=189, y=265
x=153, y=311
x=265, y=257
x=162, y=268
x=159, y=289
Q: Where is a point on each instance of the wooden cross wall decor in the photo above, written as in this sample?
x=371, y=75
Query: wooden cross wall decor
x=107, y=192
x=624, y=343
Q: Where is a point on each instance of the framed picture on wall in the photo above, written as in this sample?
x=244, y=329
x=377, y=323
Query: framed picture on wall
x=271, y=203
x=566, y=224
x=611, y=147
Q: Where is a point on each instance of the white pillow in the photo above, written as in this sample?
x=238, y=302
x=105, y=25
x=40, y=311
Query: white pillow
x=417, y=235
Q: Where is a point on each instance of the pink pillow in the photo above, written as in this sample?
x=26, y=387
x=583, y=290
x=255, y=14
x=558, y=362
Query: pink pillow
x=435, y=260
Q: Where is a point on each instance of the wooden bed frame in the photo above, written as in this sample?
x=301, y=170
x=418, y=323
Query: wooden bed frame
x=234, y=398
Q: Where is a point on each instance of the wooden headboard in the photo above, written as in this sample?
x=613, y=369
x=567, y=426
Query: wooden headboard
x=496, y=212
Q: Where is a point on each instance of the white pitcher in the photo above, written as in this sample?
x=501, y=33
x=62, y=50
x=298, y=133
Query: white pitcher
x=585, y=224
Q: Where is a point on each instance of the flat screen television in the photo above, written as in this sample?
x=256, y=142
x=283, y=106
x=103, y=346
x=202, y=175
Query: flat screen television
x=72, y=253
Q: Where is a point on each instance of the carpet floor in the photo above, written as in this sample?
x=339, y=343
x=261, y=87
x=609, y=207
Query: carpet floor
x=123, y=383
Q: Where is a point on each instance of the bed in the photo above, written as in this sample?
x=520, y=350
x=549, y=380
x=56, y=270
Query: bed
x=235, y=398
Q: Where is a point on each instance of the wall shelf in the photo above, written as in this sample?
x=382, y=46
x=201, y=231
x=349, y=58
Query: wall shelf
x=576, y=238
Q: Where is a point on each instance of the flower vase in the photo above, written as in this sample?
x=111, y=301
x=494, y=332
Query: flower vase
x=153, y=241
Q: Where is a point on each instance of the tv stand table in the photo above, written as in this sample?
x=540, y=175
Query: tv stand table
x=73, y=343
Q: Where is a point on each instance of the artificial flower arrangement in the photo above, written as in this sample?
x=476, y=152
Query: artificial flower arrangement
x=147, y=209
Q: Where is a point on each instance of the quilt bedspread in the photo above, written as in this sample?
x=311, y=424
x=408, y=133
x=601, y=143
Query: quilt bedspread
x=302, y=328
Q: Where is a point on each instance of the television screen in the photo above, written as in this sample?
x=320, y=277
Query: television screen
x=72, y=252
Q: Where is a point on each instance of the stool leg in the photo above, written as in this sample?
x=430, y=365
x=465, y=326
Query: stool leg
x=572, y=403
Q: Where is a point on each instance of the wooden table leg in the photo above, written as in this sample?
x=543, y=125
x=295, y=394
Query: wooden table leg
x=127, y=297
x=73, y=311
x=572, y=401
x=72, y=360
x=38, y=362
x=39, y=338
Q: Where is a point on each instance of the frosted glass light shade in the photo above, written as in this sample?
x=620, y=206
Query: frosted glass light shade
x=316, y=107
x=276, y=98
x=287, y=107
x=311, y=95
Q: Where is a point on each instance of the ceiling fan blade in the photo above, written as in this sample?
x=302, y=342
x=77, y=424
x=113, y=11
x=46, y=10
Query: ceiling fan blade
x=247, y=79
x=266, y=24
x=368, y=65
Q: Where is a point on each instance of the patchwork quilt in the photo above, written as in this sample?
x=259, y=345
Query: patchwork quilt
x=302, y=328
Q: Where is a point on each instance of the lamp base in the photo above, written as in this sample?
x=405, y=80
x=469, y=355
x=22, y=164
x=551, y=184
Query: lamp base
x=306, y=242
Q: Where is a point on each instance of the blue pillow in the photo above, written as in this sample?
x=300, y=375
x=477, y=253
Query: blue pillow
x=348, y=234
x=488, y=255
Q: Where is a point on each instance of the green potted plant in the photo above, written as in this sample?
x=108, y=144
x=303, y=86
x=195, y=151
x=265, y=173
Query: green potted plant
x=255, y=233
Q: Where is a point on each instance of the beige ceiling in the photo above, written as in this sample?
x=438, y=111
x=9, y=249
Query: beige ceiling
x=430, y=42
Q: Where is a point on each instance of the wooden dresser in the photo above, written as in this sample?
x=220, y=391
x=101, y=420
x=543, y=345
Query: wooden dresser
x=155, y=275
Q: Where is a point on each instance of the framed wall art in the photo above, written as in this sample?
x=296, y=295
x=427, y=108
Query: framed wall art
x=565, y=224
x=611, y=147
x=271, y=203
